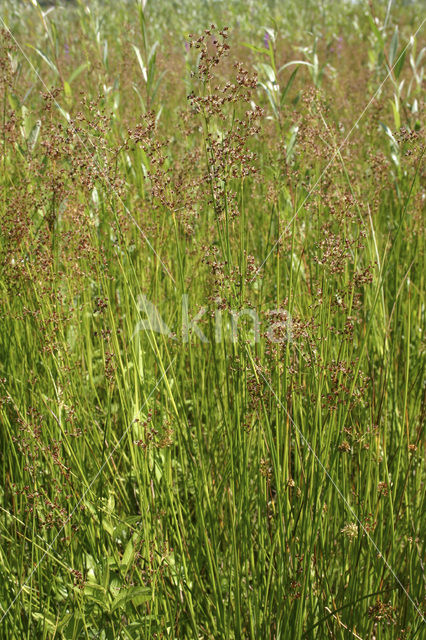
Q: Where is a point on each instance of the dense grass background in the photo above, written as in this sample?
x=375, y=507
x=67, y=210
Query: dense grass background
x=158, y=485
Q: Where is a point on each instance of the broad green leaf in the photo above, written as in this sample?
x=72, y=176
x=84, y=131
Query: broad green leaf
x=141, y=64
x=393, y=47
x=395, y=109
x=288, y=86
x=262, y=50
x=420, y=57
x=101, y=602
x=128, y=554
x=134, y=595
x=67, y=89
x=151, y=65
x=111, y=503
x=26, y=122
x=269, y=72
x=73, y=627
x=13, y=101
x=46, y=619
x=34, y=133
x=159, y=112
x=270, y=98
x=45, y=57
x=399, y=64
x=291, y=142
x=293, y=62
x=105, y=573
x=388, y=132
x=105, y=53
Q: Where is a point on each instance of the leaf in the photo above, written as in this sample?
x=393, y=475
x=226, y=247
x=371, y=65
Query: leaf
x=156, y=86
x=159, y=112
x=45, y=619
x=26, y=122
x=393, y=47
x=141, y=7
x=105, y=53
x=135, y=629
x=141, y=100
x=63, y=112
x=395, y=109
x=111, y=503
x=291, y=142
x=34, y=133
x=13, y=101
x=135, y=595
x=420, y=57
x=152, y=53
x=101, y=602
x=376, y=31
x=269, y=72
x=256, y=49
x=73, y=627
x=270, y=98
x=105, y=573
x=151, y=65
x=388, y=132
x=77, y=72
x=95, y=197
x=271, y=33
x=128, y=554
x=67, y=89
x=288, y=86
x=141, y=64
x=45, y=58
x=399, y=64
x=289, y=64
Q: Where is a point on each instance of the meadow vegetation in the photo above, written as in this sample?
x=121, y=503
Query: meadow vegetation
x=171, y=172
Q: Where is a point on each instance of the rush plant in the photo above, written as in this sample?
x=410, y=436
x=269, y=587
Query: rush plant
x=211, y=303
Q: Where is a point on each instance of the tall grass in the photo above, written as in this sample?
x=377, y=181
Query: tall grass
x=171, y=469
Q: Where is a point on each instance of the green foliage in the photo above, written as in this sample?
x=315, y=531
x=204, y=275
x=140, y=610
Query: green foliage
x=169, y=468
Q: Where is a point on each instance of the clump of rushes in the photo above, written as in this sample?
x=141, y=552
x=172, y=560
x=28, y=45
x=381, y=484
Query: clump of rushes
x=211, y=311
